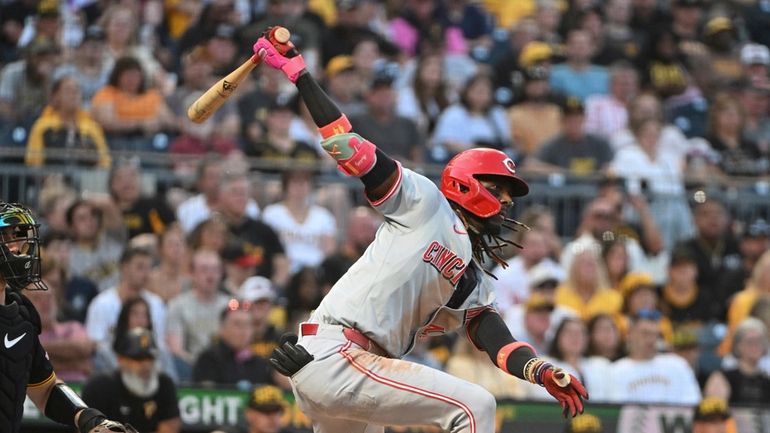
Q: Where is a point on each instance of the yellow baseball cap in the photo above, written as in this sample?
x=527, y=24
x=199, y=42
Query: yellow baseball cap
x=534, y=52
x=339, y=64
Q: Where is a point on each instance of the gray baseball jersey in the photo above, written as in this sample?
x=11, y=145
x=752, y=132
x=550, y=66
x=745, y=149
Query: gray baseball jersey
x=398, y=290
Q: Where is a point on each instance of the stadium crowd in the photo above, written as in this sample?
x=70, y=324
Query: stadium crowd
x=659, y=295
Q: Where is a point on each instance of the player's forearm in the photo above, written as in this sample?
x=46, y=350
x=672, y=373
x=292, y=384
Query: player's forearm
x=488, y=332
x=323, y=110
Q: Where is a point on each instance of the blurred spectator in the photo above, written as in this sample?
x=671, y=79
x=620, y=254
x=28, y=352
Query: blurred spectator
x=221, y=49
x=686, y=20
x=604, y=338
x=54, y=198
x=756, y=128
x=715, y=251
x=548, y=16
x=210, y=234
x=368, y=58
x=648, y=106
x=96, y=243
x=344, y=86
x=721, y=38
x=531, y=321
x=585, y=290
x=136, y=393
x=197, y=208
x=512, y=58
x=573, y=150
x=191, y=324
x=712, y=415
x=618, y=33
x=421, y=22
x=214, y=14
x=103, y=312
x=65, y=133
x=121, y=30
x=536, y=118
x=743, y=301
x=543, y=279
x=567, y=347
x=745, y=384
x=307, y=231
x=258, y=293
x=577, y=76
x=607, y=114
x=277, y=145
x=646, y=376
x=682, y=300
x=303, y=294
x=351, y=28
x=218, y=134
x=253, y=105
x=686, y=343
x=264, y=412
x=179, y=16
x=394, y=134
x=615, y=260
x=473, y=365
x=640, y=294
x=663, y=71
x=13, y=15
x=514, y=281
x=141, y=213
x=88, y=65
x=738, y=156
x=427, y=95
x=23, y=86
x=261, y=240
x=72, y=293
x=130, y=111
x=239, y=264
x=542, y=218
x=753, y=241
x=361, y=224
x=591, y=19
x=66, y=342
x=229, y=360
x=171, y=275
x=484, y=122
x=755, y=59
x=647, y=162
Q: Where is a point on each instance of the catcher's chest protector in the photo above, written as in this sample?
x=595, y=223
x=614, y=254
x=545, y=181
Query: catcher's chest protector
x=15, y=362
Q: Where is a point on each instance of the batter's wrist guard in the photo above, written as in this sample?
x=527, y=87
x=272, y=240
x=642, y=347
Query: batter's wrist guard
x=339, y=126
x=355, y=156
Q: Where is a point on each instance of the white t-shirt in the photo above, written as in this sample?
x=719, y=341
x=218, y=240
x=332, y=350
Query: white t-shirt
x=194, y=210
x=664, y=174
x=665, y=379
x=301, y=240
x=512, y=284
x=104, y=310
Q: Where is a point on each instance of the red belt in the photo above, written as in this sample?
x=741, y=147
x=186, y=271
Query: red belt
x=353, y=335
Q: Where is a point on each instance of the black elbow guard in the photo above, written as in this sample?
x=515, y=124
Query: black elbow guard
x=63, y=404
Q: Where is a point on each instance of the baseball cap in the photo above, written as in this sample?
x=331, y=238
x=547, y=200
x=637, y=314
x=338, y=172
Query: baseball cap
x=758, y=229
x=238, y=253
x=266, y=398
x=633, y=281
x=572, y=105
x=338, y=65
x=539, y=302
x=137, y=343
x=585, y=423
x=48, y=9
x=755, y=54
x=257, y=288
x=542, y=274
x=42, y=46
x=712, y=409
x=684, y=337
x=718, y=24
x=534, y=52
x=681, y=254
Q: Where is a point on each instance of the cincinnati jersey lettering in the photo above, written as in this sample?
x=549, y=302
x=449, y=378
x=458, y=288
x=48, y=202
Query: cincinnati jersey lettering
x=445, y=261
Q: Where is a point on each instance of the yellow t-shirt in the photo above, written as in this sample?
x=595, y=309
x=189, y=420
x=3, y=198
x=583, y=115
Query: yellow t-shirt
x=48, y=127
x=740, y=308
x=603, y=301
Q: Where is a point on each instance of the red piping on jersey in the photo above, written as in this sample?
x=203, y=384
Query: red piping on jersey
x=409, y=388
x=392, y=189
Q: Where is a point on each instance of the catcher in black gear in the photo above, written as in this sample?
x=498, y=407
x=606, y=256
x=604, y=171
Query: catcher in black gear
x=24, y=364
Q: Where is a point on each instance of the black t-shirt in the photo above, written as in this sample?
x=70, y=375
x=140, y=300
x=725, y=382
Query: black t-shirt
x=148, y=215
x=261, y=241
x=397, y=137
x=586, y=156
x=107, y=393
x=700, y=309
x=23, y=361
x=221, y=365
x=748, y=389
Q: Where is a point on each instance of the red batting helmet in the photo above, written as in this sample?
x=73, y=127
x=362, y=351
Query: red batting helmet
x=459, y=184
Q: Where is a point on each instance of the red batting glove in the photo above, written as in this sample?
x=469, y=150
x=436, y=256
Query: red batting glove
x=291, y=66
x=565, y=388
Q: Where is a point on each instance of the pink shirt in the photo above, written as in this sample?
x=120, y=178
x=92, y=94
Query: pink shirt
x=71, y=330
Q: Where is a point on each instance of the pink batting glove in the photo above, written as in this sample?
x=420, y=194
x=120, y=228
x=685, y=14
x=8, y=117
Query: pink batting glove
x=291, y=67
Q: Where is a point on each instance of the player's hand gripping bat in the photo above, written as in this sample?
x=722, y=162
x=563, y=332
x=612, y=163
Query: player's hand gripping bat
x=209, y=102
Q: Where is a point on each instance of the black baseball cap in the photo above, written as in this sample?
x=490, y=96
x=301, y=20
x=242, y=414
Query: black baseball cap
x=712, y=409
x=138, y=343
x=572, y=105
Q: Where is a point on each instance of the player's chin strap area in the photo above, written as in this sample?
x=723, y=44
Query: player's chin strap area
x=485, y=235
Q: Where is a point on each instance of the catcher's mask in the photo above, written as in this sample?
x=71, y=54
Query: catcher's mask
x=19, y=248
x=480, y=210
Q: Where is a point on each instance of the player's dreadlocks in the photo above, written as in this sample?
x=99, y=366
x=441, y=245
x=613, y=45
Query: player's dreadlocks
x=485, y=234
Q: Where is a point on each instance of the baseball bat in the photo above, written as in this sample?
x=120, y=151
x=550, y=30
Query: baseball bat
x=210, y=101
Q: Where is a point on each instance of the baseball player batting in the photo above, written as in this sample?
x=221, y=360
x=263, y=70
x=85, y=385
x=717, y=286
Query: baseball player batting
x=421, y=276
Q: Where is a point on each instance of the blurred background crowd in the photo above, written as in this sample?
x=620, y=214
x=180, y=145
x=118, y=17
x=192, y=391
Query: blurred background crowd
x=658, y=292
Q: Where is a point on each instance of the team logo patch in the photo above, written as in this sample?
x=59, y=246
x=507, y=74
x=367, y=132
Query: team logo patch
x=509, y=165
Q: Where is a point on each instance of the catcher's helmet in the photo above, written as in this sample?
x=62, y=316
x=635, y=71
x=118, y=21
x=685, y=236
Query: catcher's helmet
x=19, y=247
x=460, y=185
